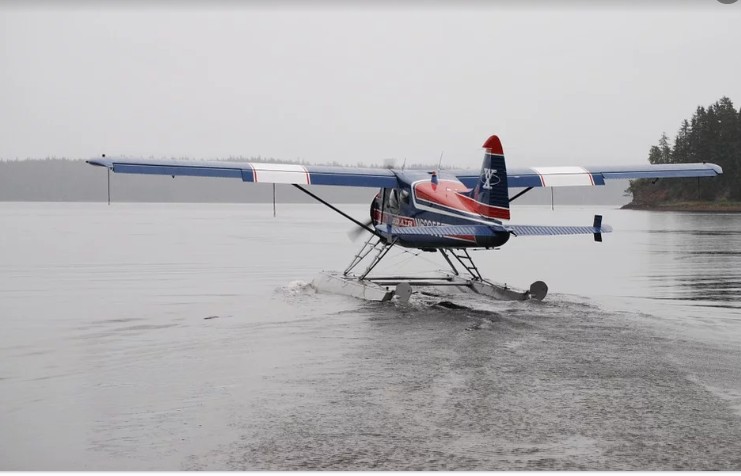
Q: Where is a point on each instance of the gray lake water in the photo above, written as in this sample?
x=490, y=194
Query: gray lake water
x=185, y=336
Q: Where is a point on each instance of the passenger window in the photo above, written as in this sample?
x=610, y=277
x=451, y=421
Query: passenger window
x=405, y=196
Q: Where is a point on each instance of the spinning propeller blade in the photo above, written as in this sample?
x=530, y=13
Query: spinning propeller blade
x=355, y=232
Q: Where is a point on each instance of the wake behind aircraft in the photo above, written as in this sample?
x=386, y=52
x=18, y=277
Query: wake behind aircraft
x=445, y=211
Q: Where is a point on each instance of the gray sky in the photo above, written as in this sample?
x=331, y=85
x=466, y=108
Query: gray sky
x=561, y=83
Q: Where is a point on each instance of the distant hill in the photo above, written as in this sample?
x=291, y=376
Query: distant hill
x=63, y=180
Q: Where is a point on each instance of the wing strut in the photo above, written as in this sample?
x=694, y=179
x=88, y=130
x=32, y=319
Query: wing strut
x=324, y=202
x=108, y=169
x=520, y=194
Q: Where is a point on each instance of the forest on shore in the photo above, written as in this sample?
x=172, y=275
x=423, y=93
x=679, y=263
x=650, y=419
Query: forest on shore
x=713, y=135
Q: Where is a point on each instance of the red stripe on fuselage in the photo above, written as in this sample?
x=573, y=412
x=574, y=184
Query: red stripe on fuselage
x=469, y=238
x=449, y=194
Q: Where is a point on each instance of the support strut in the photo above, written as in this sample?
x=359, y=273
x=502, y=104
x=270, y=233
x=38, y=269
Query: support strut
x=381, y=247
x=465, y=260
x=520, y=194
x=324, y=202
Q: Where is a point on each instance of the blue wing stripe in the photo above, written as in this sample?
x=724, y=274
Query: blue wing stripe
x=598, y=178
x=660, y=174
x=176, y=170
x=353, y=180
x=248, y=175
x=516, y=181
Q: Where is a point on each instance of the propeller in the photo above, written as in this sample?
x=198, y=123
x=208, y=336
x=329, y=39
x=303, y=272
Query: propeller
x=356, y=231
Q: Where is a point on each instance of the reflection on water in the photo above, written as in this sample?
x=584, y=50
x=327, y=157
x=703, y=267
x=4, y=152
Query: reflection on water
x=154, y=336
x=701, y=256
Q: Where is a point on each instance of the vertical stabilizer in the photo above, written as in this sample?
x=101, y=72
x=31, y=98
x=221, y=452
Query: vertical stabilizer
x=491, y=192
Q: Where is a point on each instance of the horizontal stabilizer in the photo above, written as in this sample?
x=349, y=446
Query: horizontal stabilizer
x=491, y=230
x=538, y=230
x=442, y=230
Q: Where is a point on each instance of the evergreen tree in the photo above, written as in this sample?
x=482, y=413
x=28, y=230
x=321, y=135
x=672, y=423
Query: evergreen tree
x=713, y=135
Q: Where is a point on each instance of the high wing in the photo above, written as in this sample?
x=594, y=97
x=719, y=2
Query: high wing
x=256, y=172
x=386, y=178
x=591, y=175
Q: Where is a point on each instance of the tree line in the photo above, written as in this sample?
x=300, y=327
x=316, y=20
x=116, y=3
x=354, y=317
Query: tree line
x=713, y=134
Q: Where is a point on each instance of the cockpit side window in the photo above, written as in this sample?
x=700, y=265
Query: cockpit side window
x=392, y=200
x=405, y=197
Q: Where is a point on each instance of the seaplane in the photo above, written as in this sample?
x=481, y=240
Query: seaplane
x=443, y=211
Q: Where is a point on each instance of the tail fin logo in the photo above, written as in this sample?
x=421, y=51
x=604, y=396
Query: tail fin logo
x=489, y=176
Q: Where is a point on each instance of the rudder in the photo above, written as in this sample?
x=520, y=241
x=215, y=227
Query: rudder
x=491, y=192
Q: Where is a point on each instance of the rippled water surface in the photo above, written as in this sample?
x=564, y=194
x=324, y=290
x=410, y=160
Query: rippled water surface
x=150, y=336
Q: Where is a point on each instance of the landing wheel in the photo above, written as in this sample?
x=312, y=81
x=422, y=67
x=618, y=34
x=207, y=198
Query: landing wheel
x=538, y=290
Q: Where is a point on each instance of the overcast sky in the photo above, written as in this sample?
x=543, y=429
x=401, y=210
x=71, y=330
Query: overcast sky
x=561, y=83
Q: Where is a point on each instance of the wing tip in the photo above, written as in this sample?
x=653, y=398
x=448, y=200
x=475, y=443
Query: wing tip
x=99, y=162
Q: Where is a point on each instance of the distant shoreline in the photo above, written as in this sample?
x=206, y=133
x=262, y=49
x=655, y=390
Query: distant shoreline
x=698, y=207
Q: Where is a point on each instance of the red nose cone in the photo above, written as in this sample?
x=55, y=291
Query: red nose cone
x=494, y=145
